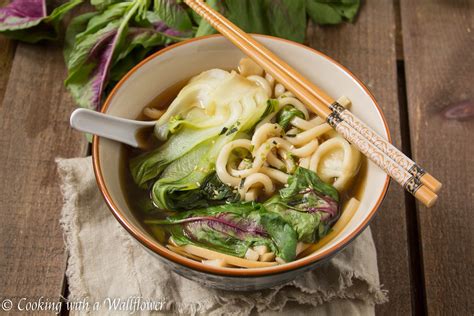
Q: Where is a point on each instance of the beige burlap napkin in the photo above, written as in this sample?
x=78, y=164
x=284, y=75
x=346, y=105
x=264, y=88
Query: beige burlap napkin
x=111, y=273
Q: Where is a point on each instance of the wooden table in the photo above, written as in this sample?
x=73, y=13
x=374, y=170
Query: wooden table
x=415, y=56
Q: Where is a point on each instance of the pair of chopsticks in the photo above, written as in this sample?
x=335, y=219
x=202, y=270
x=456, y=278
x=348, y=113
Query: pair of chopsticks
x=402, y=169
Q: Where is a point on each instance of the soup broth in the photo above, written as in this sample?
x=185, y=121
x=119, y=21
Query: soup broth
x=142, y=202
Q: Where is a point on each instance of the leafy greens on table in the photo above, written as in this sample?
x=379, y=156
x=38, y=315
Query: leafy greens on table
x=101, y=46
x=29, y=20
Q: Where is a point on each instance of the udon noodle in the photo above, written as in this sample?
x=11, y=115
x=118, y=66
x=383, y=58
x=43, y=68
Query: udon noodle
x=274, y=154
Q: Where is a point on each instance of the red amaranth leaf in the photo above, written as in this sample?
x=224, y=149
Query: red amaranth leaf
x=22, y=14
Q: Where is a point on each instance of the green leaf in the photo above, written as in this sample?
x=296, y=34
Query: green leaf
x=309, y=205
x=236, y=103
x=141, y=41
x=287, y=19
x=211, y=192
x=204, y=27
x=174, y=14
x=232, y=229
x=30, y=22
x=58, y=13
x=304, y=179
x=102, y=4
x=186, y=188
x=282, y=234
x=89, y=62
x=286, y=114
x=305, y=224
x=281, y=18
x=332, y=12
x=213, y=189
x=249, y=15
x=169, y=189
x=75, y=27
x=106, y=40
x=149, y=166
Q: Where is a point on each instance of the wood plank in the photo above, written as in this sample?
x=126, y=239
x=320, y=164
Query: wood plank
x=438, y=43
x=7, y=51
x=34, y=130
x=367, y=48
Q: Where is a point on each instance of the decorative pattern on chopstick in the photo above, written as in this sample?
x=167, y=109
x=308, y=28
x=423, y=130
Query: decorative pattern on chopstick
x=405, y=162
x=405, y=179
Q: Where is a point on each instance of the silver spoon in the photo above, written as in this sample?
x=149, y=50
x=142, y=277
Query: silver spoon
x=108, y=126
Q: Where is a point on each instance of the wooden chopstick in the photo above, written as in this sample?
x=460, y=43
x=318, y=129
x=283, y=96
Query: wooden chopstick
x=323, y=105
x=401, y=159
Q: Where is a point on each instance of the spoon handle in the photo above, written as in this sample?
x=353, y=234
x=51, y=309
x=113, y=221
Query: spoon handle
x=111, y=127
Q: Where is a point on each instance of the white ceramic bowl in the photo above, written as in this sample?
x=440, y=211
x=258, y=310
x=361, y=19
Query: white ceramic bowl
x=184, y=60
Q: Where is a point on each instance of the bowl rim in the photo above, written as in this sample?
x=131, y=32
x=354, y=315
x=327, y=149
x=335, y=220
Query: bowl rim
x=164, y=252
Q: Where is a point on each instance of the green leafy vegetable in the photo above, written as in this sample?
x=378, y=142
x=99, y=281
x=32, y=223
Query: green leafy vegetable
x=174, y=14
x=308, y=204
x=287, y=19
x=102, y=4
x=211, y=192
x=286, y=114
x=305, y=179
x=281, y=18
x=101, y=47
x=332, y=11
x=204, y=27
x=180, y=166
x=97, y=51
x=182, y=183
x=232, y=229
x=214, y=190
x=28, y=20
x=185, y=138
x=169, y=189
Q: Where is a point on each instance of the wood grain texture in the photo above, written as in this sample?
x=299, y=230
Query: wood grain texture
x=7, y=51
x=34, y=130
x=367, y=48
x=438, y=46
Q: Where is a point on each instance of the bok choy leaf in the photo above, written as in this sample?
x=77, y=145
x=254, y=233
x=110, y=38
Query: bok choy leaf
x=211, y=192
x=232, y=229
x=215, y=108
x=308, y=204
